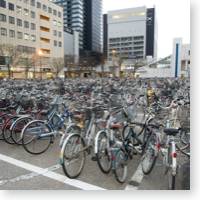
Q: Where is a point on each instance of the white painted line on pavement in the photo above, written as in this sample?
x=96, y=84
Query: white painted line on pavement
x=136, y=179
x=52, y=175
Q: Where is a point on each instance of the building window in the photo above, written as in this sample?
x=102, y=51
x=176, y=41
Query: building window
x=19, y=9
x=3, y=32
x=32, y=2
x=26, y=24
x=26, y=11
x=19, y=35
x=59, y=14
x=49, y=10
x=42, y=28
x=54, y=22
x=46, y=40
x=19, y=22
x=2, y=18
x=32, y=14
x=59, y=24
x=2, y=3
x=55, y=43
x=60, y=44
x=11, y=20
x=38, y=5
x=55, y=12
x=11, y=33
x=44, y=7
x=60, y=34
x=44, y=18
x=33, y=38
x=11, y=6
x=54, y=32
x=26, y=36
x=33, y=27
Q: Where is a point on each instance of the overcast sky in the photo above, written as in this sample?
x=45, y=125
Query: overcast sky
x=173, y=17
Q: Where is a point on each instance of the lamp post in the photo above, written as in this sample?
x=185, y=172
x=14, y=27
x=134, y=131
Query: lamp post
x=40, y=55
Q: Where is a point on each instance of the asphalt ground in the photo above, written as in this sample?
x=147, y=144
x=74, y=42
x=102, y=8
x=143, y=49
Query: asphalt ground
x=23, y=171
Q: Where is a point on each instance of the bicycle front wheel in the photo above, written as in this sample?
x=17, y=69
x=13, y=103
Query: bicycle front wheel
x=103, y=156
x=17, y=129
x=73, y=155
x=36, y=137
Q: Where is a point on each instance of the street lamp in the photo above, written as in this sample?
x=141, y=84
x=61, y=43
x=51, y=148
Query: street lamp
x=40, y=53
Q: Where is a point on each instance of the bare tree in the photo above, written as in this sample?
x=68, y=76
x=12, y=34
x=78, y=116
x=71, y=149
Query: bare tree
x=57, y=65
x=28, y=62
x=12, y=54
x=138, y=64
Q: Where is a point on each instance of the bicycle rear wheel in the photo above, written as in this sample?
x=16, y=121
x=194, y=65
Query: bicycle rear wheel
x=34, y=140
x=149, y=158
x=17, y=129
x=6, y=132
x=171, y=181
x=73, y=156
x=2, y=122
x=103, y=156
x=121, y=168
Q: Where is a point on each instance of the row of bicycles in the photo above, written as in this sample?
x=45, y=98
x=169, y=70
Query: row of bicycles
x=108, y=120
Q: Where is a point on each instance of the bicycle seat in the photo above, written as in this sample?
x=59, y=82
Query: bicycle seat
x=171, y=131
x=116, y=126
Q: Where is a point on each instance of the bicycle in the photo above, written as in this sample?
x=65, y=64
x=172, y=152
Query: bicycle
x=43, y=132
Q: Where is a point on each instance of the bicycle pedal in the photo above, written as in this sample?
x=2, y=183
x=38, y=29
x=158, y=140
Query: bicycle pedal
x=94, y=158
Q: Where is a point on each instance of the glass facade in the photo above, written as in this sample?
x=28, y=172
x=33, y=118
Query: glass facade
x=85, y=17
x=73, y=16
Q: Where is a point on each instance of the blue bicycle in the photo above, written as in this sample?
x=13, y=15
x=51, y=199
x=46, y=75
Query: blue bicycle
x=38, y=135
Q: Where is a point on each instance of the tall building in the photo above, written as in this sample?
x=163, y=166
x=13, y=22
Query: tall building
x=93, y=26
x=85, y=17
x=132, y=33
x=73, y=16
x=33, y=26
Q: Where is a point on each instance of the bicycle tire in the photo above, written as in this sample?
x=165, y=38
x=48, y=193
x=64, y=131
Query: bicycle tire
x=17, y=129
x=103, y=138
x=71, y=146
x=45, y=142
x=171, y=181
x=121, y=168
x=153, y=157
x=2, y=122
x=6, y=132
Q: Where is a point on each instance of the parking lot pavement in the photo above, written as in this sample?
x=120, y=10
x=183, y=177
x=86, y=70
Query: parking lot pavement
x=21, y=171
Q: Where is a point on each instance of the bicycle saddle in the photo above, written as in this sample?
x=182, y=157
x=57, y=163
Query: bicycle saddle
x=171, y=131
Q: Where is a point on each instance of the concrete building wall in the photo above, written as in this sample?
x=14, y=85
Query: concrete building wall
x=127, y=33
x=71, y=44
x=180, y=63
x=37, y=25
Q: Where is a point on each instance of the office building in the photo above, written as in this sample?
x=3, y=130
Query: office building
x=35, y=27
x=132, y=33
x=85, y=17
